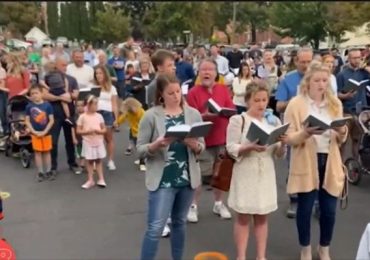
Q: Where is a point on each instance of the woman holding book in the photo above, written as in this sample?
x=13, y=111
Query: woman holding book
x=253, y=184
x=173, y=172
x=316, y=164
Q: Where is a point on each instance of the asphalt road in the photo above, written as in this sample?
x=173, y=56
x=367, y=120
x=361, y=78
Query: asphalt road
x=59, y=220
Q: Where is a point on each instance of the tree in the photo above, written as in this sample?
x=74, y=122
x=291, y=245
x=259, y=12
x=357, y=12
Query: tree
x=94, y=6
x=53, y=19
x=111, y=25
x=176, y=17
x=303, y=20
x=19, y=17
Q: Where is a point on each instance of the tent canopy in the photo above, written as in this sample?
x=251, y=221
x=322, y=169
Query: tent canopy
x=35, y=34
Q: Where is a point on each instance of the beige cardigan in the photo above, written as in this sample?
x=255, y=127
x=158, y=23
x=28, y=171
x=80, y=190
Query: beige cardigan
x=303, y=173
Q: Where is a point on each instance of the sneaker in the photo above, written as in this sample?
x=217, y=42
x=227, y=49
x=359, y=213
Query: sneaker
x=166, y=231
x=128, y=151
x=53, y=175
x=292, y=210
x=75, y=169
x=40, y=177
x=87, y=185
x=137, y=162
x=111, y=166
x=142, y=167
x=47, y=175
x=193, y=214
x=221, y=210
x=101, y=184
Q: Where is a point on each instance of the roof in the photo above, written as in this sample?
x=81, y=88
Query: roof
x=36, y=34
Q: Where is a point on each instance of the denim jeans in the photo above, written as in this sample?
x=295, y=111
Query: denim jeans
x=328, y=204
x=59, y=123
x=162, y=203
x=3, y=117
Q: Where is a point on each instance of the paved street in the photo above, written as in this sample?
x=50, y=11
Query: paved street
x=59, y=220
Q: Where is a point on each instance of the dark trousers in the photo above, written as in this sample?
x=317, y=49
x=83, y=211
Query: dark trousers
x=328, y=204
x=3, y=104
x=59, y=123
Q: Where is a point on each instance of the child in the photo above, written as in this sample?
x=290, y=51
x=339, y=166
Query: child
x=130, y=72
x=39, y=120
x=77, y=139
x=57, y=84
x=132, y=111
x=90, y=125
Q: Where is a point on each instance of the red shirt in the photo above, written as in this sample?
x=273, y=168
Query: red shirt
x=17, y=84
x=198, y=97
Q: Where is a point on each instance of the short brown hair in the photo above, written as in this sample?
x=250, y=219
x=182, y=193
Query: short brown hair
x=160, y=56
x=163, y=81
x=254, y=87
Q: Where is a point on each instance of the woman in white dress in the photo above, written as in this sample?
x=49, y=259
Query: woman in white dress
x=253, y=184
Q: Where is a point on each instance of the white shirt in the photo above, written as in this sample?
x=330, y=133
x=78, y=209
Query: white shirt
x=105, y=99
x=239, y=88
x=84, y=75
x=222, y=65
x=322, y=110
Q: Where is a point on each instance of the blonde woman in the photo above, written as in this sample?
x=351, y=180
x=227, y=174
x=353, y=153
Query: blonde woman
x=315, y=163
x=17, y=77
x=253, y=192
x=107, y=107
x=239, y=86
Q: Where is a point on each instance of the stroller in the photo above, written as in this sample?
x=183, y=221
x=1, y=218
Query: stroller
x=357, y=168
x=19, y=138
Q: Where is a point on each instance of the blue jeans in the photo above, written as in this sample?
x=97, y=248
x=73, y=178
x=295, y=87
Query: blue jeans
x=162, y=203
x=328, y=205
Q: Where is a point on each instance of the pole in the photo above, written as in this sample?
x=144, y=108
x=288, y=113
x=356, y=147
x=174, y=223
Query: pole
x=234, y=21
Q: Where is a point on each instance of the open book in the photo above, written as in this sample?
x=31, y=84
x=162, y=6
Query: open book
x=224, y=111
x=265, y=134
x=195, y=130
x=85, y=92
x=185, y=87
x=354, y=85
x=325, y=123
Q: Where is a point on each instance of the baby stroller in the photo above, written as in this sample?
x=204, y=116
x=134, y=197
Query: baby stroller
x=356, y=168
x=19, y=139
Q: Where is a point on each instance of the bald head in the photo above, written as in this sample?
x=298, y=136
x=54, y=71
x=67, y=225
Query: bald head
x=102, y=57
x=61, y=64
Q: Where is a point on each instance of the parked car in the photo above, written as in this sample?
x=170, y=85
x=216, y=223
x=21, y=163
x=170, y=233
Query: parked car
x=17, y=44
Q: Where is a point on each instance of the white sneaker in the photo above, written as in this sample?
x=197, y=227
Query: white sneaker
x=193, y=214
x=111, y=166
x=142, y=167
x=221, y=210
x=137, y=162
x=166, y=231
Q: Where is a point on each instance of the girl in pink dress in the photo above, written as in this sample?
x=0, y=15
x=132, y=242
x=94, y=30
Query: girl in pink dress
x=90, y=125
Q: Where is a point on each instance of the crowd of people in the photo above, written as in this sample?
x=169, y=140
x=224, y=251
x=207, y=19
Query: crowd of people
x=153, y=91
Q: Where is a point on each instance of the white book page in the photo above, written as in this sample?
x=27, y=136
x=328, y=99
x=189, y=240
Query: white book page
x=355, y=82
x=218, y=108
x=179, y=128
x=185, y=89
x=137, y=79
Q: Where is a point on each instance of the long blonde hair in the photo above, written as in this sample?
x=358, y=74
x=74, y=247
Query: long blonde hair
x=14, y=66
x=130, y=103
x=333, y=101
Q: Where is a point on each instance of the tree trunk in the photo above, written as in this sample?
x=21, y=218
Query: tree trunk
x=254, y=33
x=228, y=37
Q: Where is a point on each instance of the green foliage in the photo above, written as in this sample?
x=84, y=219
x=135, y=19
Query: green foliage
x=19, y=17
x=168, y=20
x=53, y=19
x=111, y=25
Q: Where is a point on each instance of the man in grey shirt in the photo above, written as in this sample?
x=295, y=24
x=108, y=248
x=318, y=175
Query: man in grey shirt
x=163, y=62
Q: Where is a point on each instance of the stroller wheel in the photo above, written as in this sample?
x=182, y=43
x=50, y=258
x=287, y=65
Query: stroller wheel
x=354, y=171
x=25, y=158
